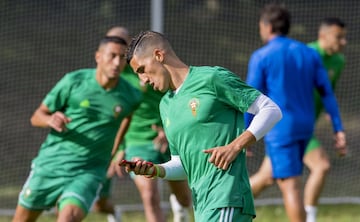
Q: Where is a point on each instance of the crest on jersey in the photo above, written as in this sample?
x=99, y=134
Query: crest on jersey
x=117, y=111
x=331, y=73
x=194, y=104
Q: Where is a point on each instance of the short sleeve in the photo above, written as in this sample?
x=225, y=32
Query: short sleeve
x=57, y=97
x=231, y=90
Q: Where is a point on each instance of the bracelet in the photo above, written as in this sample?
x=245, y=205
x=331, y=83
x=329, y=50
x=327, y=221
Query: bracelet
x=155, y=173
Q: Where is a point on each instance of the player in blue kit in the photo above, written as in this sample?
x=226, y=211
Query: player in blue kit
x=288, y=72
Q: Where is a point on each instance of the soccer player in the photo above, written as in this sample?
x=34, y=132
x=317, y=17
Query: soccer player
x=289, y=72
x=202, y=115
x=83, y=111
x=104, y=204
x=145, y=139
x=330, y=42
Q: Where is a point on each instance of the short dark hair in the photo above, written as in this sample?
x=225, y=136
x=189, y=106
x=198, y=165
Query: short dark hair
x=133, y=44
x=277, y=16
x=113, y=39
x=330, y=21
x=143, y=40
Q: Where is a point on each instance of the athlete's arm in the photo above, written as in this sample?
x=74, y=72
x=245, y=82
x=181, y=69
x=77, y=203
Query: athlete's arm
x=267, y=114
x=160, y=141
x=124, y=126
x=42, y=117
x=171, y=170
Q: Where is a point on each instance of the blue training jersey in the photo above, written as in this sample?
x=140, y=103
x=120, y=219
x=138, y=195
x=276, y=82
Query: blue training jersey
x=288, y=72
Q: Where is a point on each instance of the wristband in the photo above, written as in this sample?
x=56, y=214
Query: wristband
x=155, y=173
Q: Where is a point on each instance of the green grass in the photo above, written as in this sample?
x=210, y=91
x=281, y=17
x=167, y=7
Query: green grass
x=326, y=213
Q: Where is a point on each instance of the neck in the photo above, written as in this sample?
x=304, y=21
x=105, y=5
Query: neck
x=106, y=82
x=269, y=38
x=323, y=46
x=272, y=36
x=178, y=73
x=177, y=70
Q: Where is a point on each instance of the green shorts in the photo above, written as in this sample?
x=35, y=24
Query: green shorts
x=227, y=214
x=312, y=145
x=42, y=192
x=146, y=151
x=106, y=188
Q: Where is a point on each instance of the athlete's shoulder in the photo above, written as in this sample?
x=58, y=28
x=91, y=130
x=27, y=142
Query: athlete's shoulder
x=130, y=89
x=270, y=50
x=296, y=45
x=202, y=69
x=80, y=74
x=340, y=57
x=314, y=44
x=76, y=77
x=207, y=72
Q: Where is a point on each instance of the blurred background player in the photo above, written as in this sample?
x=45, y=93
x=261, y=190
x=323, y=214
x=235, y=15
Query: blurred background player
x=330, y=42
x=145, y=139
x=104, y=204
x=288, y=72
x=83, y=111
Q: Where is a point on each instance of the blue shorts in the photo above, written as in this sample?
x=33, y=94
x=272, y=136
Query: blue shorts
x=286, y=159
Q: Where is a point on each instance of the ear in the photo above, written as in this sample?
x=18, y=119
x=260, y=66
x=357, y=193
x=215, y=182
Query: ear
x=322, y=33
x=159, y=55
x=269, y=28
x=97, y=56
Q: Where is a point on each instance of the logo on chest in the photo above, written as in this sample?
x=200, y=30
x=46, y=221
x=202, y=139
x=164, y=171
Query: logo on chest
x=194, y=104
x=85, y=103
x=117, y=110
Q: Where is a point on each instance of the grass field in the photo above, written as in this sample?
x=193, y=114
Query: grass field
x=327, y=213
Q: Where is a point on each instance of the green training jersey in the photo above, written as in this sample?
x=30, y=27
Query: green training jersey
x=207, y=112
x=95, y=115
x=146, y=115
x=334, y=64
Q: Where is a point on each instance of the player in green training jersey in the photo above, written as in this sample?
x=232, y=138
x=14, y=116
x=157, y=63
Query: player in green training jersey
x=84, y=111
x=145, y=139
x=330, y=42
x=202, y=115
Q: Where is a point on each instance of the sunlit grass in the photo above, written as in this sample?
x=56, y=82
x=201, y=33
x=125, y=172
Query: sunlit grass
x=326, y=213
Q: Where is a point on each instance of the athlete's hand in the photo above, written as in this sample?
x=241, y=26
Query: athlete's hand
x=160, y=141
x=222, y=156
x=340, y=143
x=114, y=165
x=249, y=152
x=139, y=167
x=58, y=121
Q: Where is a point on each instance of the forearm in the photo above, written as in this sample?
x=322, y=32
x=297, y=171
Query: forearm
x=124, y=126
x=267, y=114
x=40, y=118
x=332, y=109
x=246, y=139
x=173, y=169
